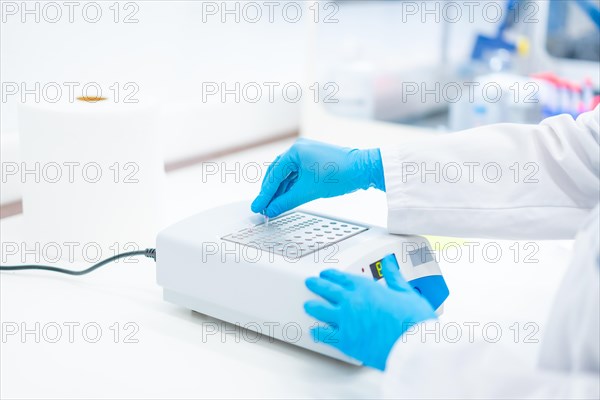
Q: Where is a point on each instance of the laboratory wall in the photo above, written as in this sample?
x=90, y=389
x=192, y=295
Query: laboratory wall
x=354, y=60
x=167, y=50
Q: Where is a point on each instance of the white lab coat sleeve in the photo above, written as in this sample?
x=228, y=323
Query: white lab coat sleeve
x=420, y=366
x=497, y=181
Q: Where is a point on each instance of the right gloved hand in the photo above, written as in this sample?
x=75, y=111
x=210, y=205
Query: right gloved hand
x=310, y=170
x=363, y=318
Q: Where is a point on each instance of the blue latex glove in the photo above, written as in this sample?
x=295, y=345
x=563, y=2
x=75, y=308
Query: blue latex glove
x=311, y=170
x=365, y=318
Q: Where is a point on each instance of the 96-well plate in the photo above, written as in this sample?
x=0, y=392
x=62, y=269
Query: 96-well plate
x=296, y=234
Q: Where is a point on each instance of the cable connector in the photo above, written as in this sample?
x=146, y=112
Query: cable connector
x=150, y=253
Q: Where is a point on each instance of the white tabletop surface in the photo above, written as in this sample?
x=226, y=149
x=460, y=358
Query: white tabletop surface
x=170, y=358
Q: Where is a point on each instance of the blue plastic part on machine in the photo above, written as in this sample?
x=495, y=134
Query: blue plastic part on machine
x=433, y=288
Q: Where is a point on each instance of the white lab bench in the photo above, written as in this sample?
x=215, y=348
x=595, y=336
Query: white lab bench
x=177, y=354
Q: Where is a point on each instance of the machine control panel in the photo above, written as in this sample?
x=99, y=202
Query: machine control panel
x=432, y=287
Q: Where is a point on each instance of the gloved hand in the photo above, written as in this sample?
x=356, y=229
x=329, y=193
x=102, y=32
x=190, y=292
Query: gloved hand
x=310, y=170
x=364, y=318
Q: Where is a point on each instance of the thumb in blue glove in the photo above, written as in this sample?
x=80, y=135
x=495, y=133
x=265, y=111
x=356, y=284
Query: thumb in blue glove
x=363, y=318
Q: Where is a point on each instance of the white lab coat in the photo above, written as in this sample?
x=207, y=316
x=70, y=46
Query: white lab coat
x=563, y=204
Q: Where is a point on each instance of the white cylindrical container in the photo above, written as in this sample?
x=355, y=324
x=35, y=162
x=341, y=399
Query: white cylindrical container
x=93, y=174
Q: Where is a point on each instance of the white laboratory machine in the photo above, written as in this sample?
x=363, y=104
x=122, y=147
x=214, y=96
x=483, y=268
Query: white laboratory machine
x=245, y=271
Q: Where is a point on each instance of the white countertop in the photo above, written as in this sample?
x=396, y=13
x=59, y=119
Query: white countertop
x=172, y=359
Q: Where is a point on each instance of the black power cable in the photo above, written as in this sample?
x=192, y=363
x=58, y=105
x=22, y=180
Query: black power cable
x=150, y=253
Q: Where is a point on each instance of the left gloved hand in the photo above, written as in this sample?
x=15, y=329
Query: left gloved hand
x=364, y=318
x=311, y=170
